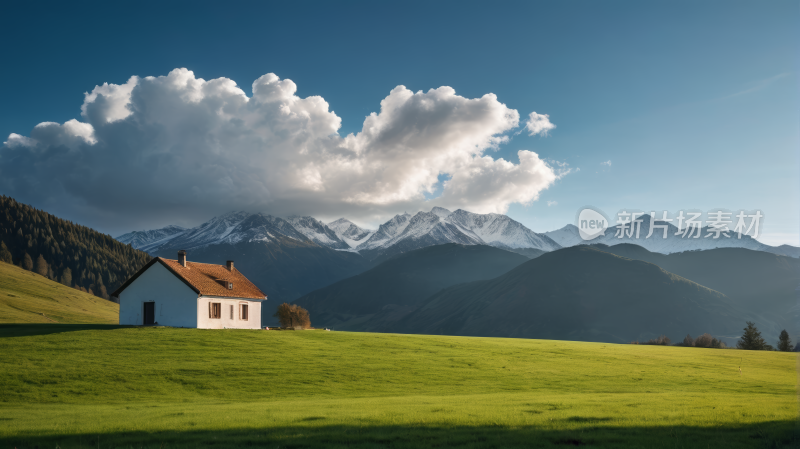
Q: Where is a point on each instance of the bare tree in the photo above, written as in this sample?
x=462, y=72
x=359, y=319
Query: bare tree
x=27, y=262
x=41, y=266
x=293, y=316
x=703, y=341
x=5, y=254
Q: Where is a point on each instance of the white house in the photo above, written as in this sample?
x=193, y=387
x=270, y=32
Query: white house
x=190, y=294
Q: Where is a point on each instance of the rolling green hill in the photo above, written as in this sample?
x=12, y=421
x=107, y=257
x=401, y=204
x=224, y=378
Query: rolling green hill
x=578, y=293
x=27, y=297
x=63, y=251
x=760, y=283
x=188, y=388
x=384, y=294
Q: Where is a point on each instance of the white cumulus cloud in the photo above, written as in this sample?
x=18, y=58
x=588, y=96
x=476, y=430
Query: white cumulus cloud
x=178, y=148
x=606, y=163
x=538, y=124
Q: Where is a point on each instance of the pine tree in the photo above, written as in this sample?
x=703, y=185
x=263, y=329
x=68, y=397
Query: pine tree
x=64, y=244
x=41, y=266
x=752, y=339
x=27, y=262
x=688, y=340
x=784, y=342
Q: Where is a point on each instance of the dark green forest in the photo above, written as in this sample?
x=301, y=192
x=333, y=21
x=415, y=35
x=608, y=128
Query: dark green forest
x=63, y=251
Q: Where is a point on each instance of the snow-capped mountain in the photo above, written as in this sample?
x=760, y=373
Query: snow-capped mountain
x=144, y=239
x=349, y=232
x=230, y=228
x=567, y=236
x=405, y=233
x=318, y=232
x=500, y=231
x=675, y=241
x=386, y=232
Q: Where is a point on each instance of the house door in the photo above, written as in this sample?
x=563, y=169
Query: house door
x=149, y=313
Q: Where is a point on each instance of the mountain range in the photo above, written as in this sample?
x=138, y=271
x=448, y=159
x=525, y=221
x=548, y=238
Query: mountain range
x=292, y=257
x=384, y=294
x=760, y=283
x=405, y=232
x=676, y=240
x=578, y=293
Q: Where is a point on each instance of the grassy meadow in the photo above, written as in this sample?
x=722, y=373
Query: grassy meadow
x=103, y=387
x=26, y=297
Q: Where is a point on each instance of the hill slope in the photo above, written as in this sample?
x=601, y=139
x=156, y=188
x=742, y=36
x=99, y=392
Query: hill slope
x=184, y=388
x=26, y=297
x=578, y=293
x=758, y=282
x=375, y=298
x=71, y=254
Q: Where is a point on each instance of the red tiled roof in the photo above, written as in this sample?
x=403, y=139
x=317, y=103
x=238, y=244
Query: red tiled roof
x=205, y=279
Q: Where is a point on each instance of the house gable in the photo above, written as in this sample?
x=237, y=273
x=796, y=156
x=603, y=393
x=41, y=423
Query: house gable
x=175, y=301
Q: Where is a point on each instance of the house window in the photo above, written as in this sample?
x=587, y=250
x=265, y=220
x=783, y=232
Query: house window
x=215, y=310
x=230, y=285
x=243, y=312
x=231, y=311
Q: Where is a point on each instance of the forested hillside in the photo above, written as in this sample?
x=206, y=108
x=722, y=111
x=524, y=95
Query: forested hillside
x=63, y=251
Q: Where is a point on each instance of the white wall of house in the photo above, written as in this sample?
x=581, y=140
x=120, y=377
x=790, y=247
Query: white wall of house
x=228, y=320
x=176, y=303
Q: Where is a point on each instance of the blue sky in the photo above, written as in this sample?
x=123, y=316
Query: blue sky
x=695, y=104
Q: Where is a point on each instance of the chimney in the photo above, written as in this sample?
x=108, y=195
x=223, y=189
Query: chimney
x=182, y=257
x=230, y=265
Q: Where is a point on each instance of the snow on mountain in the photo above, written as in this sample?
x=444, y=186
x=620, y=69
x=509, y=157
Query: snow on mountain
x=500, y=231
x=217, y=230
x=401, y=234
x=230, y=228
x=264, y=228
x=386, y=232
x=349, y=232
x=441, y=212
x=318, y=232
x=569, y=235
x=433, y=226
x=440, y=226
x=675, y=241
x=144, y=239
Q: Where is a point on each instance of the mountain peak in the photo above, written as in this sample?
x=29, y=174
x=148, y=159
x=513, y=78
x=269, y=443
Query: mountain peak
x=318, y=232
x=441, y=212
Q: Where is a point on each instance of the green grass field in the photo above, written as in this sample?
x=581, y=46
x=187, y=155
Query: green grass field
x=26, y=297
x=65, y=387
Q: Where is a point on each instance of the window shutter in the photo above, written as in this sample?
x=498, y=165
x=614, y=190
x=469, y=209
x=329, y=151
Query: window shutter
x=210, y=313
